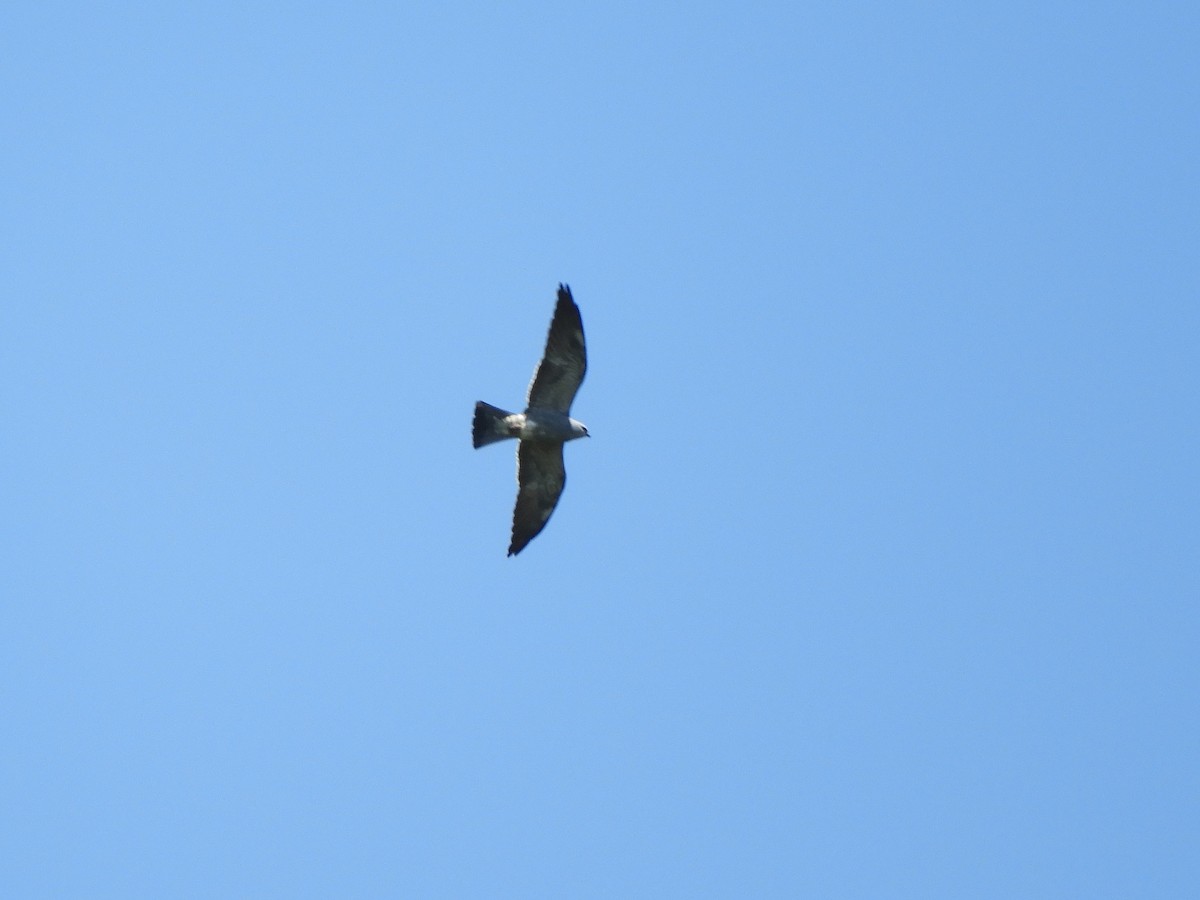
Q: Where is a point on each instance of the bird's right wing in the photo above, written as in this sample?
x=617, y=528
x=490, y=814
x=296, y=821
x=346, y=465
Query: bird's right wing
x=541, y=476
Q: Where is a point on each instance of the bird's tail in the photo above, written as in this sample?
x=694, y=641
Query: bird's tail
x=488, y=426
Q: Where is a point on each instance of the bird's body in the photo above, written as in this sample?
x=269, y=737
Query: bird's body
x=549, y=425
x=532, y=425
x=544, y=426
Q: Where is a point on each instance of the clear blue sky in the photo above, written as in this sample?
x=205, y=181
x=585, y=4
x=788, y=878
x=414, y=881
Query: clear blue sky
x=878, y=579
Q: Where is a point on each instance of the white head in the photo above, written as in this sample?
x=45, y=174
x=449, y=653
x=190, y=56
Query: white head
x=578, y=430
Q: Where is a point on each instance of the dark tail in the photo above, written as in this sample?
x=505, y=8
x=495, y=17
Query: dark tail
x=488, y=426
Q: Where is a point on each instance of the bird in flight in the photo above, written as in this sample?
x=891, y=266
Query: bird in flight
x=544, y=426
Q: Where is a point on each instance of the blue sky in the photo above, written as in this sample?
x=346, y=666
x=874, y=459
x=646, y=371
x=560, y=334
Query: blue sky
x=878, y=578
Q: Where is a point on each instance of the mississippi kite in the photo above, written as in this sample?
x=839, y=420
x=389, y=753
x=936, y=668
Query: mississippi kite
x=544, y=426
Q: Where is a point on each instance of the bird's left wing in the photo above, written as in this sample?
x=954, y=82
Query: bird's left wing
x=564, y=363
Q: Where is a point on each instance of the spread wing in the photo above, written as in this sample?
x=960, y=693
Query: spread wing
x=564, y=363
x=540, y=479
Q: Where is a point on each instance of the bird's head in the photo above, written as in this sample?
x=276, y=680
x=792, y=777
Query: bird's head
x=578, y=430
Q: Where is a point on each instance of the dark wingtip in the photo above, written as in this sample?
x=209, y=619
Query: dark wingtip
x=566, y=303
x=516, y=545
